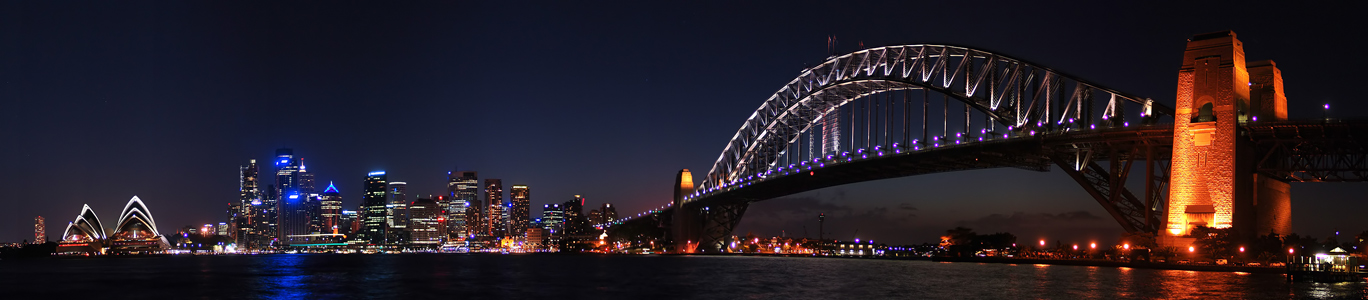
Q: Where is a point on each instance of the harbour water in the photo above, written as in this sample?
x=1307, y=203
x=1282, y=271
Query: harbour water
x=551, y=276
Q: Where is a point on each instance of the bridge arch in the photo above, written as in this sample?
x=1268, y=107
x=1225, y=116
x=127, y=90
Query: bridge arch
x=1018, y=94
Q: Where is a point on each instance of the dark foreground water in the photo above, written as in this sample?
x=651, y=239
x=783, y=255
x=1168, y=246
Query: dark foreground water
x=419, y=276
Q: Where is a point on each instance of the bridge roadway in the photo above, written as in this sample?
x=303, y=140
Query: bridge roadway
x=1297, y=151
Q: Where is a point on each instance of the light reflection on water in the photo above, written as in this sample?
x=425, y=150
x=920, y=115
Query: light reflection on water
x=590, y=276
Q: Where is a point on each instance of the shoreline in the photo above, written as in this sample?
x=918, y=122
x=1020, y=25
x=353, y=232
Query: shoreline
x=1117, y=264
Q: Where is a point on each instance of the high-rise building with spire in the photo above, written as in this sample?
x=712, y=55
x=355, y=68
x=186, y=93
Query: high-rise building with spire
x=330, y=210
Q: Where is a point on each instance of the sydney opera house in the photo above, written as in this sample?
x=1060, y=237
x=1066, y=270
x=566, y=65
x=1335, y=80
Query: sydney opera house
x=135, y=233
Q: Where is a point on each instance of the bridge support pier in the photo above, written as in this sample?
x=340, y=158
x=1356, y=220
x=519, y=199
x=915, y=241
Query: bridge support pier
x=1215, y=184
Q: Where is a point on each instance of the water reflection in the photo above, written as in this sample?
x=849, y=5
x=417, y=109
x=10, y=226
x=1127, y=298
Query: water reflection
x=648, y=277
x=283, y=278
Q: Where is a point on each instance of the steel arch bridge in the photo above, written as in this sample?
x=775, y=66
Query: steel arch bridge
x=1011, y=92
x=1016, y=114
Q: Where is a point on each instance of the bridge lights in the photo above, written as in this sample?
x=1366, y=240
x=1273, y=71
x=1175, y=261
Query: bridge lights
x=1241, y=249
x=1192, y=249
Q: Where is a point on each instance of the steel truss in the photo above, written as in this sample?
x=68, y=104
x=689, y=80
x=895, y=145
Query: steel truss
x=1014, y=93
x=1079, y=156
x=718, y=222
x=1311, y=151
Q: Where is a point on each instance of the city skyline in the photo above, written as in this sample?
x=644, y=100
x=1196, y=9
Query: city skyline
x=173, y=101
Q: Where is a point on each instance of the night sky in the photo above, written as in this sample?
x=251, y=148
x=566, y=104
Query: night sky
x=103, y=101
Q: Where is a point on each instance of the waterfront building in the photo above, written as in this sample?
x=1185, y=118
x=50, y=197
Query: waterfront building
x=494, y=224
x=520, y=198
x=534, y=239
x=85, y=234
x=373, y=228
x=330, y=210
x=425, y=224
x=136, y=232
x=463, y=190
x=39, y=230
x=396, y=214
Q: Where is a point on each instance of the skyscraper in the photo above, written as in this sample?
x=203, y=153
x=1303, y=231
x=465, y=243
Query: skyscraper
x=330, y=213
x=463, y=191
x=425, y=224
x=266, y=236
x=575, y=221
x=494, y=222
x=249, y=206
x=595, y=217
x=39, y=230
x=294, y=219
x=348, y=225
x=519, y=216
x=396, y=214
x=609, y=213
x=373, y=209
x=553, y=222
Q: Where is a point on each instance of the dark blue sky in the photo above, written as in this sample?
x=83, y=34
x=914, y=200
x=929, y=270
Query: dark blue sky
x=103, y=101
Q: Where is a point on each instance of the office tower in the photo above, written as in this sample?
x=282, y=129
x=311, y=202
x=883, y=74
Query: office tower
x=39, y=230
x=520, y=197
x=463, y=190
x=494, y=224
x=222, y=229
x=595, y=217
x=287, y=172
x=330, y=209
x=269, y=218
x=373, y=209
x=248, y=210
x=396, y=214
x=553, y=218
x=609, y=213
x=294, y=219
x=425, y=224
x=347, y=224
x=575, y=221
